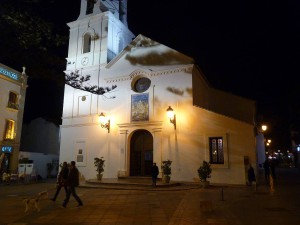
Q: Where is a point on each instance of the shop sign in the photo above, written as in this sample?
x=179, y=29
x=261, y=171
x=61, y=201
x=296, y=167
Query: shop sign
x=7, y=149
x=9, y=74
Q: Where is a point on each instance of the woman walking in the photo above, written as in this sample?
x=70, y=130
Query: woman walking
x=61, y=180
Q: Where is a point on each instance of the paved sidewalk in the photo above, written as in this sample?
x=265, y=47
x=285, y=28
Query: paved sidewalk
x=174, y=205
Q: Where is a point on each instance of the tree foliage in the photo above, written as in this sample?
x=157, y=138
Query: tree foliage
x=34, y=34
x=29, y=39
x=75, y=80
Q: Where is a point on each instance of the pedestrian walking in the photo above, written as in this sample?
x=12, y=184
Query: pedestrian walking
x=251, y=177
x=267, y=171
x=61, y=180
x=72, y=183
x=154, y=174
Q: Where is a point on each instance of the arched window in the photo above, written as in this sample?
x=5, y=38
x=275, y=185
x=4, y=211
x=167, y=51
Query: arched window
x=87, y=39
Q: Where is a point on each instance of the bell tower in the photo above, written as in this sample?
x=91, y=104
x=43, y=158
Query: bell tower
x=98, y=35
x=116, y=7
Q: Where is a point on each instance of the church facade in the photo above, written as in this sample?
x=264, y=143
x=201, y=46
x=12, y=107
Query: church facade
x=133, y=82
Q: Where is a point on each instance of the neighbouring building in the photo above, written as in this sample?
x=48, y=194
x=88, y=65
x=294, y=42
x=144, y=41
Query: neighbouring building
x=13, y=86
x=48, y=137
x=40, y=144
x=146, y=79
x=35, y=164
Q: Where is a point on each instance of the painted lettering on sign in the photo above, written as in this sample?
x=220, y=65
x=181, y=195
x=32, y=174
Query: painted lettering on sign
x=9, y=74
x=7, y=149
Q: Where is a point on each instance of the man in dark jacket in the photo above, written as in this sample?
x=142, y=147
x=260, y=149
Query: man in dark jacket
x=154, y=174
x=267, y=171
x=251, y=175
x=72, y=182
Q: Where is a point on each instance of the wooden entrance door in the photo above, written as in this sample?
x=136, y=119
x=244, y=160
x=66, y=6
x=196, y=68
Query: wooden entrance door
x=141, y=153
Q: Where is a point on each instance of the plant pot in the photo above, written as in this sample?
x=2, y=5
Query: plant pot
x=166, y=179
x=99, y=176
x=205, y=184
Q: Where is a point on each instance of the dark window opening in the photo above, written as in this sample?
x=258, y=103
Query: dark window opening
x=13, y=101
x=216, y=150
x=90, y=7
x=87, y=43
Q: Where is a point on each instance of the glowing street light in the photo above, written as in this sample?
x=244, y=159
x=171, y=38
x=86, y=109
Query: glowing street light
x=264, y=128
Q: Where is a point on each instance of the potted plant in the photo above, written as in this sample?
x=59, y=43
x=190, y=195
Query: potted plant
x=204, y=172
x=166, y=170
x=99, y=164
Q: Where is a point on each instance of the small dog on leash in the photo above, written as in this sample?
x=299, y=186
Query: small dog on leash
x=34, y=203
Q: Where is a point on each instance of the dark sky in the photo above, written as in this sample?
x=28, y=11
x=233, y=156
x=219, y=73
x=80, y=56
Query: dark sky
x=249, y=47
x=243, y=47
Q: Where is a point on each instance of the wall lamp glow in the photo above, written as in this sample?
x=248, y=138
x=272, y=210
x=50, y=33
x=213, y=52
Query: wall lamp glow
x=171, y=115
x=105, y=123
x=264, y=128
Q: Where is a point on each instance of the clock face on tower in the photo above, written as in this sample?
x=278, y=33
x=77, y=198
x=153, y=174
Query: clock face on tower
x=84, y=61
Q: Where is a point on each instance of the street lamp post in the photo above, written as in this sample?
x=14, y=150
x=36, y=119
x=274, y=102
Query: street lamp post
x=260, y=145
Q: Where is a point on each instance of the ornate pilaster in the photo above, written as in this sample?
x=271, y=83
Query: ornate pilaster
x=123, y=165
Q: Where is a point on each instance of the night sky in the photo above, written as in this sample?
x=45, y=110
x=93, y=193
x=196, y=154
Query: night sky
x=248, y=48
x=244, y=47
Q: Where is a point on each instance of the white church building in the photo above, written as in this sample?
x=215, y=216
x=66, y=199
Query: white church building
x=133, y=81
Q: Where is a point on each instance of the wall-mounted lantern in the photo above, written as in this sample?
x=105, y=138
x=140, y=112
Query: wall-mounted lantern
x=171, y=115
x=104, y=122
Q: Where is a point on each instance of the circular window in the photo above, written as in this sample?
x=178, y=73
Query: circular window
x=142, y=84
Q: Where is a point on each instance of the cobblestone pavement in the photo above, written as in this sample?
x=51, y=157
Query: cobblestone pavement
x=174, y=205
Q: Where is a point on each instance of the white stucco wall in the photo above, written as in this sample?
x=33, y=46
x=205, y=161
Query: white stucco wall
x=187, y=146
x=171, y=75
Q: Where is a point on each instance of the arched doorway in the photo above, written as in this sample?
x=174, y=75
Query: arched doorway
x=141, y=153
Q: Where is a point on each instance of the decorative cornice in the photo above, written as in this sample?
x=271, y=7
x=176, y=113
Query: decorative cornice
x=187, y=69
x=140, y=124
x=79, y=125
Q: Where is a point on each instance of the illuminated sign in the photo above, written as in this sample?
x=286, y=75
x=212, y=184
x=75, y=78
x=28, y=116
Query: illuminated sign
x=7, y=149
x=9, y=74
